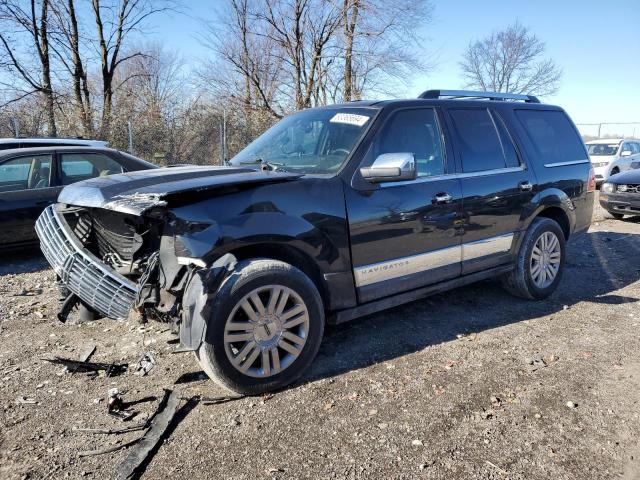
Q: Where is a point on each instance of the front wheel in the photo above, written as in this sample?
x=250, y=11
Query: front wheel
x=540, y=261
x=265, y=329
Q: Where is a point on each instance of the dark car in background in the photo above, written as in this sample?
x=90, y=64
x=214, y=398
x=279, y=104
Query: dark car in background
x=332, y=214
x=32, y=178
x=620, y=194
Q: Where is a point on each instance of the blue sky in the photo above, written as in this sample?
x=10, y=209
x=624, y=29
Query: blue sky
x=596, y=43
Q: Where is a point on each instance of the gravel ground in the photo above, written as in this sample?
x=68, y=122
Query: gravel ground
x=468, y=384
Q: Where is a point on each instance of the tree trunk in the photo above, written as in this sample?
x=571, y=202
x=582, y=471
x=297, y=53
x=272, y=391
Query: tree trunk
x=47, y=89
x=349, y=26
x=80, y=86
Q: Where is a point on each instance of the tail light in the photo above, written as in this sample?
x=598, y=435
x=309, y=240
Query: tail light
x=591, y=184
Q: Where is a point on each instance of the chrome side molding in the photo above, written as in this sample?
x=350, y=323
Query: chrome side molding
x=423, y=262
x=564, y=164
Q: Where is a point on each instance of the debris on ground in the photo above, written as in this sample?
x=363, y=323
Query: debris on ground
x=219, y=400
x=146, y=445
x=537, y=361
x=572, y=405
x=144, y=365
x=22, y=400
x=116, y=407
x=73, y=366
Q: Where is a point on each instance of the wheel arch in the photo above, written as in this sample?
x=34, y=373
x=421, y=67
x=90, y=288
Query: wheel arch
x=288, y=254
x=556, y=205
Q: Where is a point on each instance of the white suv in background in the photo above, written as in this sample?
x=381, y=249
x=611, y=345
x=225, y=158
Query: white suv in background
x=611, y=156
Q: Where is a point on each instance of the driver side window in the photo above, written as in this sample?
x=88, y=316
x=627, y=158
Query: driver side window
x=414, y=131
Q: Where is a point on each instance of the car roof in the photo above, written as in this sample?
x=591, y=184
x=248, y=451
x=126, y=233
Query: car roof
x=69, y=148
x=413, y=102
x=63, y=148
x=73, y=140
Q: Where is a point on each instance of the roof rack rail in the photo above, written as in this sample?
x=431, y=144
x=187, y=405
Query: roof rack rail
x=470, y=94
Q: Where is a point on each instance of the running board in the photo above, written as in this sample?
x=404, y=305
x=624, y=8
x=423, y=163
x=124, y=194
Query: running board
x=347, y=315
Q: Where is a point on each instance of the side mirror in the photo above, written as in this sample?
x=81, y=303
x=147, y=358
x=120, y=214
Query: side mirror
x=391, y=167
x=626, y=153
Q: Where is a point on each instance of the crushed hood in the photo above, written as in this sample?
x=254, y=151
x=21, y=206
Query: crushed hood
x=137, y=192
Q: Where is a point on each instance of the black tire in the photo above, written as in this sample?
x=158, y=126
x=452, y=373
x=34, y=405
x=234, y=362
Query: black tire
x=519, y=281
x=248, y=276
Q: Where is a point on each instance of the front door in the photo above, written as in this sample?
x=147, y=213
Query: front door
x=405, y=234
x=497, y=187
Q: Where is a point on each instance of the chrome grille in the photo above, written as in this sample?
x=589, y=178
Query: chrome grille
x=629, y=188
x=94, y=283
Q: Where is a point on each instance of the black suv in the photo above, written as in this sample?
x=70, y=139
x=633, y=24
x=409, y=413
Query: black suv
x=333, y=213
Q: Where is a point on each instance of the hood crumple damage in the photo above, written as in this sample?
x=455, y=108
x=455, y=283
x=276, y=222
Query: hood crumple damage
x=138, y=192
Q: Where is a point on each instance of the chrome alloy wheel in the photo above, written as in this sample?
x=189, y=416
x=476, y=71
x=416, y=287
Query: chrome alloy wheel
x=266, y=331
x=545, y=260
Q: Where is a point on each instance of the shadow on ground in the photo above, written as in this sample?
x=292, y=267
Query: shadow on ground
x=22, y=261
x=598, y=264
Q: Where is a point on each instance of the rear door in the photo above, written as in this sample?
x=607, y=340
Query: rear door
x=497, y=187
x=405, y=234
x=27, y=186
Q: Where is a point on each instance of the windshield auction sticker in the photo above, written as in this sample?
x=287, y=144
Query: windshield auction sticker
x=350, y=119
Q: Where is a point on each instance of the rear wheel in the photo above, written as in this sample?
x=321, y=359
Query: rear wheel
x=540, y=261
x=265, y=329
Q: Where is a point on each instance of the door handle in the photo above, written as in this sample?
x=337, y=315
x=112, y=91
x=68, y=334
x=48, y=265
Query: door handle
x=441, y=198
x=525, y=186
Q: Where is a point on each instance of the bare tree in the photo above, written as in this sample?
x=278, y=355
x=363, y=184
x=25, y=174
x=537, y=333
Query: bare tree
x=510, y=60
x=303, y=29
x=31, y=28
x=116, y=21
x=245, y=63
x=382, y=51
x=67, y=47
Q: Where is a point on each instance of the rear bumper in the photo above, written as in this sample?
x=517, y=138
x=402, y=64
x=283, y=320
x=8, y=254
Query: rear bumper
x=626, y=204
x=96, y=284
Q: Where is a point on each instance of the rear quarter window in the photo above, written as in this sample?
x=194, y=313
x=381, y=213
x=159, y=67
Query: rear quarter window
x=553, y=136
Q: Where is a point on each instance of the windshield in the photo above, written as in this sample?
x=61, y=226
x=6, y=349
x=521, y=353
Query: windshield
x=603, y=149
x=311, y=141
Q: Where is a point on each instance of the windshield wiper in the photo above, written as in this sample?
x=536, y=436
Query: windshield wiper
x=276, y=167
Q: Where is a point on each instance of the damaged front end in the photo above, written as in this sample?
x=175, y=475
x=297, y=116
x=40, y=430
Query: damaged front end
x=118, y=245
x=115, y=263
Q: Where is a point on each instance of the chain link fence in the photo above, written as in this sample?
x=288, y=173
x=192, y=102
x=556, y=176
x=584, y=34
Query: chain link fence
x=199, y=137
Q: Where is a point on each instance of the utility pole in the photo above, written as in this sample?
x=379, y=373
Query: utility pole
x=223, y=138
x=16, y=127
x=130, y=138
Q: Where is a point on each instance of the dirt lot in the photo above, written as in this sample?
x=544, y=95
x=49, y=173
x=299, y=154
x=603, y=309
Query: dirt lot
x=469, y=384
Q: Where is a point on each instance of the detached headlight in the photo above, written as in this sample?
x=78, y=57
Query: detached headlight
x=608, y=187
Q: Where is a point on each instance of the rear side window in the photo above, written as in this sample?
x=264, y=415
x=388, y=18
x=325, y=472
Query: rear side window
x=478, y=144
x=82, y=166
x=553, y=137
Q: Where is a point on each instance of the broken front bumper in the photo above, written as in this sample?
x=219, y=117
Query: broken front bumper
x=97, y=285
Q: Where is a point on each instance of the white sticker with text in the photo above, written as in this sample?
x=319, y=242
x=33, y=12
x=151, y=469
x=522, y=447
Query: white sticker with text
x=350, y=118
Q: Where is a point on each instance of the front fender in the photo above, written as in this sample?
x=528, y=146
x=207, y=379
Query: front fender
x=198, y=298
